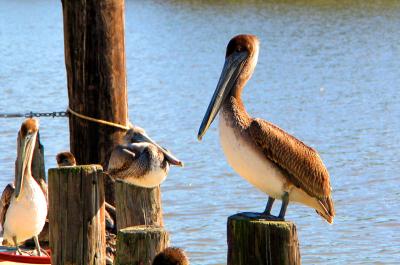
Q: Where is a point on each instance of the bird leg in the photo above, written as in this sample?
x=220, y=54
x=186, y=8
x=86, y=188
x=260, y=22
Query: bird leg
x=285, y=202
x=35, y=238
x=16, y=245
x=267, y=211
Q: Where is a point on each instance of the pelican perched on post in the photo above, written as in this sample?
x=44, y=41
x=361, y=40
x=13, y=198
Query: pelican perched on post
x=140, y=160
x=23, y=214
x=268, y=157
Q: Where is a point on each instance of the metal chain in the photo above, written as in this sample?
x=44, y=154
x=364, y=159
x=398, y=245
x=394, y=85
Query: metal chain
x=47, y=114
x=31, y=114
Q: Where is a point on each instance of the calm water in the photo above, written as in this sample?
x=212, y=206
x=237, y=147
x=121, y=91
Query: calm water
x=328, y=73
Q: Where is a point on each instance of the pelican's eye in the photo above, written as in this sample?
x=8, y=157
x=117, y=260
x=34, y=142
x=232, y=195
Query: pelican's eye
x=136, y=138
x=239, y=49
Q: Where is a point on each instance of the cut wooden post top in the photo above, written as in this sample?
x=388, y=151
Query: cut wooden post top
x=142, y=229
x=86, y=168
x=253, y=239
x=257, y=218
x=140, y=244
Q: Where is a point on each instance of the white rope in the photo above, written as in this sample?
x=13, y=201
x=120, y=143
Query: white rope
x=108, y=123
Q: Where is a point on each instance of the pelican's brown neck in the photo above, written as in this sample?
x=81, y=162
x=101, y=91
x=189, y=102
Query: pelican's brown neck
x=246, y=73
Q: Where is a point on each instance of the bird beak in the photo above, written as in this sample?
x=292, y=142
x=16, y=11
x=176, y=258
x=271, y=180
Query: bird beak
x=24, y=154
x=231, y=71
x=168, y=155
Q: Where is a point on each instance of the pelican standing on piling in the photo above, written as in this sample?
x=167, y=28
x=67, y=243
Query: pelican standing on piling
x=140, y=160
x=25, y=215
x=268, y=157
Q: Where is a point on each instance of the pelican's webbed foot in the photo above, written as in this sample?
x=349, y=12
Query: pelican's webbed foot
x=271, y=217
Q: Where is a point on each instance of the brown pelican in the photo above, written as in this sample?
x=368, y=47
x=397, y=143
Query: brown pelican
x=25, y=215
x=65, y=159
x=171, y=256
x=140, y=160
x=269, y=158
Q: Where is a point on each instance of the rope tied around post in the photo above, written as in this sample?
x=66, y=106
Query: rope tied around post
x=103, y=122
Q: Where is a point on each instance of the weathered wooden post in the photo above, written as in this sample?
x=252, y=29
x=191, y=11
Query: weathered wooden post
x=138, y=245
x=258, y=241
x=137, y=206
x=96, y=74
x=139, y=221
x=76, y=215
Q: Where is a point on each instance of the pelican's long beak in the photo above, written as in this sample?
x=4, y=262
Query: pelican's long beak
x=24, y=155
x=232, y=68
x=168, y=155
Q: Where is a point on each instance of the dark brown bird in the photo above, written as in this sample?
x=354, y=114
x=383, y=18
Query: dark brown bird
x=268, y=157
x=65, y=159
x=140, y=160
x=171, y=256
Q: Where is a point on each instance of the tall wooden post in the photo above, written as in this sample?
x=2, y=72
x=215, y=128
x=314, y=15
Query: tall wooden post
x=137, y=206
x=76, y=215
x=252, y=240
x=96, y=74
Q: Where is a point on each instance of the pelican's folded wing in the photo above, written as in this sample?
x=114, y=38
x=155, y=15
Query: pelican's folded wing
x=121, y=159
x=302, y=163
x=5, y=202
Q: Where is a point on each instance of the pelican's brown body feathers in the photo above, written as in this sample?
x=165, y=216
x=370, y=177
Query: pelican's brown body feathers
x=140, y=160
x=5, y=202
x=135, y=160
x=300, y=163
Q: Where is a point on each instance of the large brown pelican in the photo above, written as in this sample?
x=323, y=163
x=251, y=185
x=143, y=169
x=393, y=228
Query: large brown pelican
x=24, y=209
x=140, y=160
x=269, y=158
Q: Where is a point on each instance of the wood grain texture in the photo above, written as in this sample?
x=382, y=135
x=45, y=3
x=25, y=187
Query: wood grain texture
x=139, y=245
x=96, y=75
x=76, y=215
x=257, y=241
x=137, y=206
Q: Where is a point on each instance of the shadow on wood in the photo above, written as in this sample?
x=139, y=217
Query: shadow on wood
x=137, y=206
x=138, y=245
x=253, y=240
x=76, y=215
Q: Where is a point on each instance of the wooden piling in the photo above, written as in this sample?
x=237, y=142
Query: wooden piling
x=252, y=240
x=94, y=49
x=76, y=215
x=139, y=245
x=137, y=206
